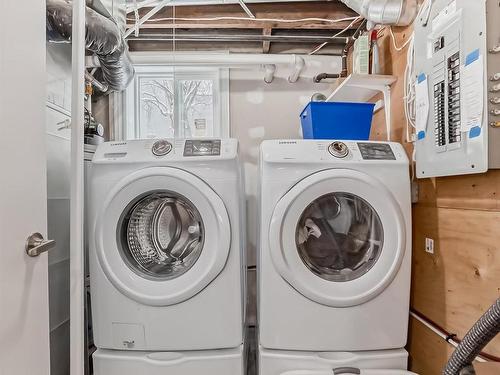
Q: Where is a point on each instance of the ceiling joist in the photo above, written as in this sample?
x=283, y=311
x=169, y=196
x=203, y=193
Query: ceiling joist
x=267, y=16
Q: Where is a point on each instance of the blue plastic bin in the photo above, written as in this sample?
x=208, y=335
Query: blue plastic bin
x=332, y=120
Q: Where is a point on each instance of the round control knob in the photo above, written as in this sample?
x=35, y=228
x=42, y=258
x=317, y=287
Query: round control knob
x=338, y=149
x=161, y=147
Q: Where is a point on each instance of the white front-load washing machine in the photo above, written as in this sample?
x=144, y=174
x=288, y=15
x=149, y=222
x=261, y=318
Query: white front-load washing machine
x=166, y=241
x=335, y=246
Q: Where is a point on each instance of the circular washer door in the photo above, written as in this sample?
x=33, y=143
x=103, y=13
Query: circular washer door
x=338, y=237
x=162, y=236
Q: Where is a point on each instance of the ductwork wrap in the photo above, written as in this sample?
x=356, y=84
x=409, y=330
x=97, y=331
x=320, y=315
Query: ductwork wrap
x=103, y=37
x=385, y=12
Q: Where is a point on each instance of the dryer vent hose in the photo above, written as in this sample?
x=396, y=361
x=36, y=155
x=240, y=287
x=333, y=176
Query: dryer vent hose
x=483, y=331
x=102, y=37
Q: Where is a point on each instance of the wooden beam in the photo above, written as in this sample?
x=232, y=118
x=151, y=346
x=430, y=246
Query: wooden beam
x=266, y=45
x=330, y=10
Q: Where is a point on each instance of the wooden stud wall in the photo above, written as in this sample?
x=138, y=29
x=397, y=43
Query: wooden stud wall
x=457, y=283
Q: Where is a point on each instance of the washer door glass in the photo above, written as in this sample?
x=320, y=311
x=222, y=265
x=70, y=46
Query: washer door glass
x=339, y=237
x=161, y=235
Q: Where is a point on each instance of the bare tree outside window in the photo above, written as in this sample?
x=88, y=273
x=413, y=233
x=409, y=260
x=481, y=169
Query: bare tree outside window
x=158, y=106
x=197, y=110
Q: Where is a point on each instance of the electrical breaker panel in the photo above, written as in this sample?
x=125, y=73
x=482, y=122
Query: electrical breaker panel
x=452, y=90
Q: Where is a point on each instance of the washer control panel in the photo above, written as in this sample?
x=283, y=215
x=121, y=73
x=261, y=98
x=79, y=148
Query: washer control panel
x=161, y=147
x=376, y=151
x=199, y=147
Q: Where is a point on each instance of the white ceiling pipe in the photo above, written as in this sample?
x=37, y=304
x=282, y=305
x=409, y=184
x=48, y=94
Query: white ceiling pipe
x=270, y=70
x=233, y=60
x=299, y=65
x=385, y=12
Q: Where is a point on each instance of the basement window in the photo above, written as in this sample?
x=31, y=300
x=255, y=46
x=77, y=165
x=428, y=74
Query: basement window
x=167, y=102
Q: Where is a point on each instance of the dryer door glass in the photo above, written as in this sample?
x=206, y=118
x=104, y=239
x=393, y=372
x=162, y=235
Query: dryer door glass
x=339, y=237
x=161, y=235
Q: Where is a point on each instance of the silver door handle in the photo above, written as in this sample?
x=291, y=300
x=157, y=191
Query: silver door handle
x=36, y=245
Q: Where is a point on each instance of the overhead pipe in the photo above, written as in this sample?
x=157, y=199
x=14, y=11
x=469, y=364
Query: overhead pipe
x=320, y=77
x=385, y=12
x=102, y=37
x=298, y=67
x=345, y=53
x=102, y=87
x=220, y=60
x=270, y=70
x=169, y=37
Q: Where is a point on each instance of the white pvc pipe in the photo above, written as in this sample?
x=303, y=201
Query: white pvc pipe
x=236, y=60
x=299, y=65
x=270, y=70
x=77, y=287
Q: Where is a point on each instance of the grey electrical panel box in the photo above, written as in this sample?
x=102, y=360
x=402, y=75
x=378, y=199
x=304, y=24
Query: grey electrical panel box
x=455, y=63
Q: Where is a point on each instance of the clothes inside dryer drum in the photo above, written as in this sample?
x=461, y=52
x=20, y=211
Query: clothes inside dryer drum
x=339, y=237
x=161, y=235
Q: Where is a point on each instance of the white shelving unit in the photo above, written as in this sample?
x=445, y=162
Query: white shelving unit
x=362, y=88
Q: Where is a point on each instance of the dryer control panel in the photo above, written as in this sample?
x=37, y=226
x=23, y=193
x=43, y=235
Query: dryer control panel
x=201, y=147
x=171, y=150
x=314, y=151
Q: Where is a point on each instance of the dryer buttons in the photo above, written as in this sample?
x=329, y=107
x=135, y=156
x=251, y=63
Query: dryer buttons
x=161, y=148
x=338, y=149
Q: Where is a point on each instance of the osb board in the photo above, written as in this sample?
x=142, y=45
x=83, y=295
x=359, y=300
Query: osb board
x=487, y=368
x=460, y=281
x=470, y=192
x=428, y=352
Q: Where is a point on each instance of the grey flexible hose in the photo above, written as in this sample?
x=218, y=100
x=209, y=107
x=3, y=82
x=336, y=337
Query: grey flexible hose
x=102, y=37
x=481, y=333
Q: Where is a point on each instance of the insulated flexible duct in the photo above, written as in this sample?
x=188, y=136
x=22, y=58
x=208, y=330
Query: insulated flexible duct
x=385, y=12
x=102, y=37
x=483, y=331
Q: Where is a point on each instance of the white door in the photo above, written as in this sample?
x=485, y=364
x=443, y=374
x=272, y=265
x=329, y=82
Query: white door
x=24, y=312
x=338, y=237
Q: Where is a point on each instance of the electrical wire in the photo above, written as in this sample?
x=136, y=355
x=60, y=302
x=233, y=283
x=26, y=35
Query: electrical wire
x=450, y=338
x=409, y=87
x=336, y=35
x=393, y=38
x=409, y=75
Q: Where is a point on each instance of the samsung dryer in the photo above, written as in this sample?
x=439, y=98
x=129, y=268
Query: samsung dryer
x=335, y=246
x=166, y=243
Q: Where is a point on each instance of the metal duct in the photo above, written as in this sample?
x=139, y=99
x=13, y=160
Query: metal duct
x=102, y=37
x=385, y=12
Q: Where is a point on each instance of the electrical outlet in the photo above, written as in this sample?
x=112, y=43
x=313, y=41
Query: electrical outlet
x=429, y=245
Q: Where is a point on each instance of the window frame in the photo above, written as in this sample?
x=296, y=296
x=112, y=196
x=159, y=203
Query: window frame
x=129, y=126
